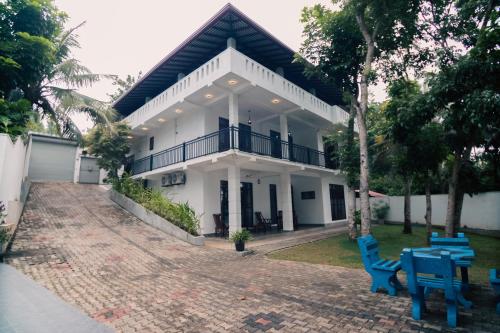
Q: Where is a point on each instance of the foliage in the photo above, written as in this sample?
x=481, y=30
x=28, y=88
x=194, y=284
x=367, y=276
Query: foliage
x=179, y=214
x=35, y=57
x=380, y=209
x=357, y=217
x=4, y=236
x=242, y=235
x=122, y=85
x=338, y=251
x=3, y=212
x=15, y=116
x=110, y=144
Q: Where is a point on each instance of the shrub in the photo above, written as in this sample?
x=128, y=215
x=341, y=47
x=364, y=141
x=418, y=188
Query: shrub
x=4, y=236
x=380, y=209
x=180, y=214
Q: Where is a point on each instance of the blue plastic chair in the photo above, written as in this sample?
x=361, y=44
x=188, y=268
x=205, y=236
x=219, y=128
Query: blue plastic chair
x=383, y=271
x=495, y=284
x=443, y=267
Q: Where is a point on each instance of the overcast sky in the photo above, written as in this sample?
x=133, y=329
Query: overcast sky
x=124, y=36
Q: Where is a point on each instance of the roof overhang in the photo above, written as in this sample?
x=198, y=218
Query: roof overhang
x=210, y=40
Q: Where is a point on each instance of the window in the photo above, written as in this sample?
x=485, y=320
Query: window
x=152, y=143
x=331, y=155
x=308, y=195
x=337, y=202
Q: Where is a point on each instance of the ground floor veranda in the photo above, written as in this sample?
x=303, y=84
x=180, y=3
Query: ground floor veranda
x=242, y=189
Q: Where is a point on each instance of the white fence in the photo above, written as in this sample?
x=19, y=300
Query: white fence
x=482, y=211
x=13, y=170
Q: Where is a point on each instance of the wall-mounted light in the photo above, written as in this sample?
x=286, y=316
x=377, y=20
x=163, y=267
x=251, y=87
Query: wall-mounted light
x=249, y=118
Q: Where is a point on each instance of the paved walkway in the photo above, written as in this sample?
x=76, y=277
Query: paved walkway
x=77, y=243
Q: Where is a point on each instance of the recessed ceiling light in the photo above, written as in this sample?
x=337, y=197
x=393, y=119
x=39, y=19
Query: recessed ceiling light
x=209, y=96
x=275, y=101
x=144, y=128
x=339, y=131
x=178, y=110
x=232, y=82
x=130, y=137
x=161, y=120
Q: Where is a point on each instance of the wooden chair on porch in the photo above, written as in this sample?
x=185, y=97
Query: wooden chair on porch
x=262, y=222
x=220, y=228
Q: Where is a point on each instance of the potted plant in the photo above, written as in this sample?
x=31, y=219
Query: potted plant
x=239, y=238
x=380, y=210
x=3, y=212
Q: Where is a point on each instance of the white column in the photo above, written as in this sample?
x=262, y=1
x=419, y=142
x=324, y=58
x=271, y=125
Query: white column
x=233, y=118
x=319, y=136
x=284, y=127
x=234, y=194
x=286, y=200
x=325, y=200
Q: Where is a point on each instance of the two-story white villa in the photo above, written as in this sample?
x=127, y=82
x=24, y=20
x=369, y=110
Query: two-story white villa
x=228, y=122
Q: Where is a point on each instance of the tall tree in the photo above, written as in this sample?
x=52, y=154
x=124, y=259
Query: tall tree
x=122, y=85
x=465, y=92
x=344, y=45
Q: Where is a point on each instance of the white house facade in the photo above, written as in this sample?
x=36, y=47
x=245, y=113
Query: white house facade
x=229, y=123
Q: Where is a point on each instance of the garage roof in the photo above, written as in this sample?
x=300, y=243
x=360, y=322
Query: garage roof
x=210, y=40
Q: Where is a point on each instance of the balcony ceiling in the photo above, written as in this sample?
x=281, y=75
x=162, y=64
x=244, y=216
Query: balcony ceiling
x=210, y=40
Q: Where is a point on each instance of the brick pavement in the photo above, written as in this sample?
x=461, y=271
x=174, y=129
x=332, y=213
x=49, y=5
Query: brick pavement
x=76, y=242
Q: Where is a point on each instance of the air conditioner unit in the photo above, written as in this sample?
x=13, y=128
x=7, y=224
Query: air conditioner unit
x=178, y=178
x=166, y=180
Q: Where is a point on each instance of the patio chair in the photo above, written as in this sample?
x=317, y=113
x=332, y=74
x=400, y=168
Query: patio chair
x=495, y=284
x=220, y=227
x=443, y=267
x=262, y=222
x=383, y=271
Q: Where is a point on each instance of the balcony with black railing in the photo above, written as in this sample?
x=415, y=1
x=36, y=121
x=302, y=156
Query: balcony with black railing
x=232, y=138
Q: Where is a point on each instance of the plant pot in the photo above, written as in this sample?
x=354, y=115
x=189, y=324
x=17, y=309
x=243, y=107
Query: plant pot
x=240, y=246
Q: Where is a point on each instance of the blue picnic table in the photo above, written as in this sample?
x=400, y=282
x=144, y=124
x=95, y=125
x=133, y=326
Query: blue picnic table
x=440, y=262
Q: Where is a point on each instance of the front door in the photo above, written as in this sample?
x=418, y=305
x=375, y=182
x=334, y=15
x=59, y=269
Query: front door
x=246, y=205
x=275, y=144
x=274, y=203
x=337, y=202
x=224, y=202
x=245, y=138
x=223, y=134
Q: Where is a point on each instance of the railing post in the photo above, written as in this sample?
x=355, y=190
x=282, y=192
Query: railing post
x=308, y=156
x=150, y=162
x=184, y=152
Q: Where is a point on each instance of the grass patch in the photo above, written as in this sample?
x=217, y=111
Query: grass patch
x=339, y=251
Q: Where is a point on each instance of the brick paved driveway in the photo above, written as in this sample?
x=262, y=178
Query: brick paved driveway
x=77, y=243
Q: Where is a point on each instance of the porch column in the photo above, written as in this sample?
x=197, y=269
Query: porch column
x=234, y=194
x=325, y=200
x=233, y=118
x=286, y=200
x=284, y=127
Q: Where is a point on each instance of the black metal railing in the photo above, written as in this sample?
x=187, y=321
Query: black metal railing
x=234, y=138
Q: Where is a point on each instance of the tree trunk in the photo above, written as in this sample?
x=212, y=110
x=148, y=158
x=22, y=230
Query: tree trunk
x=351, y=206
x=407, y=206
x=452, y=194
x=428, y=208
x=459, y=201
x=363, y=179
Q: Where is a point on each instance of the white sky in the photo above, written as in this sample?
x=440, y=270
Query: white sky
x=125, y=36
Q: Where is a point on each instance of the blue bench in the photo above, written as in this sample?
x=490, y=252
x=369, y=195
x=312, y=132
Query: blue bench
x=495, y=284
x=459, y=241
x=444, y=267
x=383, y=271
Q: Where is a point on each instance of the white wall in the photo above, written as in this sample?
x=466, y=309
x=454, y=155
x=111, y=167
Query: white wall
x=482, y=211
x=12, y=174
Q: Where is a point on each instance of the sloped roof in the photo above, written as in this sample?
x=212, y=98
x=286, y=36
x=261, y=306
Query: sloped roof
x=210, y=40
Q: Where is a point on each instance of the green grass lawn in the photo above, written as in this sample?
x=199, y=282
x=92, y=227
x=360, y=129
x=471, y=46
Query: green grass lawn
x=338, y=251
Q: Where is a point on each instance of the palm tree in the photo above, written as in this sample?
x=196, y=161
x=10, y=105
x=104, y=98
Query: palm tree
x=57, y=95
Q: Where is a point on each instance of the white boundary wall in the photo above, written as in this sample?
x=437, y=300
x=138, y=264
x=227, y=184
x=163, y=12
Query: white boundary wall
x=13, y=171
x=482, y=211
